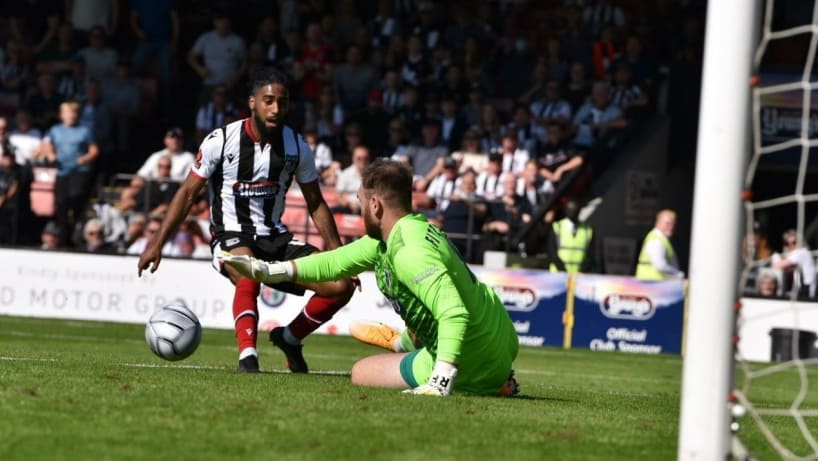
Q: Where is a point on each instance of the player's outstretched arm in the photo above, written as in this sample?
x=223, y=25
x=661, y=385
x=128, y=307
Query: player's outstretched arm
x=177, y=211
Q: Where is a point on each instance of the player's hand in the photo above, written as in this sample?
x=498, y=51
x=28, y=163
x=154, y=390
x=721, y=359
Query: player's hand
x=260, y=271
x=149, y=258
x=441, y=382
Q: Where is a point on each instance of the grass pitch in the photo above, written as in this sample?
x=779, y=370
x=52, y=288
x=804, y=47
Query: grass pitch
x=93, y=391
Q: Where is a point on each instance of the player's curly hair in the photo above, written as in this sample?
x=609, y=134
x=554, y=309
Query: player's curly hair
x=267, y=75
x=390, y=179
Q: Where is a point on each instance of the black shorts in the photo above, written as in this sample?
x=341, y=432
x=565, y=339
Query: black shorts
x=281, y=247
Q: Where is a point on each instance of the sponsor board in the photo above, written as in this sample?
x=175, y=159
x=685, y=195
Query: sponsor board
x=628, y=315
x=535, y=301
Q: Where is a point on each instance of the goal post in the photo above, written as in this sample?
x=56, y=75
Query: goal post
x=722, y=149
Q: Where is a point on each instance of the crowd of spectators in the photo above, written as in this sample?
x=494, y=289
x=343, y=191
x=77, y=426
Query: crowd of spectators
x=498, y=106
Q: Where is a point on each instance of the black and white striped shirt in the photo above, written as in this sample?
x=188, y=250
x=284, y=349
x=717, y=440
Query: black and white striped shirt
x=249, y=180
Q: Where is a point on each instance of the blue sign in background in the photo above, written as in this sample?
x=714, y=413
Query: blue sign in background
x=628, y=315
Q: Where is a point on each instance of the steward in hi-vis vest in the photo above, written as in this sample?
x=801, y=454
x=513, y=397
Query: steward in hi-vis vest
x=657, y=259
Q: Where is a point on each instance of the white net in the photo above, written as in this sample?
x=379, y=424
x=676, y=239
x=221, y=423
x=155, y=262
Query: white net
x=781, y=410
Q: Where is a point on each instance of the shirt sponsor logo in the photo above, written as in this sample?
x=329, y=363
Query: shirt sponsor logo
x=517, y=299
x=257, y=189
x=631, y=307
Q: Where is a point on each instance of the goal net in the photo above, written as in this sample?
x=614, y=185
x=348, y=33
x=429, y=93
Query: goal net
x=776, y=382
x=749, y=380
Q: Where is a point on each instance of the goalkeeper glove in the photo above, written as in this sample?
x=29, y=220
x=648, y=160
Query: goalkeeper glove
x=440, y=383
x=258, y=270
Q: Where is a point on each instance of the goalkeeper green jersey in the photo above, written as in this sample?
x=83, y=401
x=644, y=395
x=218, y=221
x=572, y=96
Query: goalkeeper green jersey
x=458, y=318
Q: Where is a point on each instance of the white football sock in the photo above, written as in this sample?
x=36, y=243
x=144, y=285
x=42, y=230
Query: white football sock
x=247, y=352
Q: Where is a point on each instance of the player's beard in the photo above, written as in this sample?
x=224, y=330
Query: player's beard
x=372, y=228
x=266, y=133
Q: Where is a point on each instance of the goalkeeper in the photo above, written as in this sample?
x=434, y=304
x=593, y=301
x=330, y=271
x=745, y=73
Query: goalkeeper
x=469, y=341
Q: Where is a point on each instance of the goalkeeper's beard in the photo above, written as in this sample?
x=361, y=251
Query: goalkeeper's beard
x=372, y=228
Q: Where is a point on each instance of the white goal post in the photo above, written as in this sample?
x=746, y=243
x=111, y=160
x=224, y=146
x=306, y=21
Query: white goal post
x=723, y=147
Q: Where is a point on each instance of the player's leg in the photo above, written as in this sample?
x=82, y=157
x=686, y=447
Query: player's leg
x=245, y=301
x=381, y=370
x=328, y=299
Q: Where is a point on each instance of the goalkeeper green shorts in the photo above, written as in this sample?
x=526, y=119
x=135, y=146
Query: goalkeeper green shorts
x=478, y=373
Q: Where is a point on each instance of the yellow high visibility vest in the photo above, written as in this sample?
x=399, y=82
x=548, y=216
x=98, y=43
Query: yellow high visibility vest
x=644, y=269
x=573, y=246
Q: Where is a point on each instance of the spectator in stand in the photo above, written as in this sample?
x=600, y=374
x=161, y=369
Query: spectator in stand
x=454, y=86
x=123, y=96
x=384, y=25
x=490, y=127
x=412, y=112
x=464, y=218
x=594, y=120
x=353, y=137
x=218, y=56
x=328, y=118
x=25, y=139
x=657, y=259
x=33, y=22
x=349, y=181
x=44, y=101
x=353, y=80
x=504, y=215
x=604, y=53
x=197, y=246
x=490, y=180
x=415, y=68
x=642, y=69
x=14, y=72
x=72, y=85
x=316, y=54
x=767, y=285
x=453, y=126
x=327, y=168
x=425, y=158
x=216, y=113
x=578, y=88
x=50, y=237
x=537, y=89
x=71, y=146
x=85, y=16
x=96, y=115
x=471, y=156
x=798, y=264
x=441, y=187
x=155, y=23
x=559, y=157
x=9, y=186
x=57, y=57
x=552, y=108
x=532, y=186
x=627, y=95
x=397, y=140
x=514, y=158
x=472, y=110
x=555, y=60
x=115, y=220
x=374, y=122
x=275, y=47
x=392, y=94
x=602, y=13
x=151, y=229
x=93, y=234
x=528, y=133
x=155, y=195
x=181, y=159
x=100, y=60
x=136, y=227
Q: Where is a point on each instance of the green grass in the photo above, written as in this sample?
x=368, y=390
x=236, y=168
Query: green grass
x=93, y=391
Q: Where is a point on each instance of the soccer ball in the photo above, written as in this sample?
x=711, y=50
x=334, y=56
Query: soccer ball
x=173, y=332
